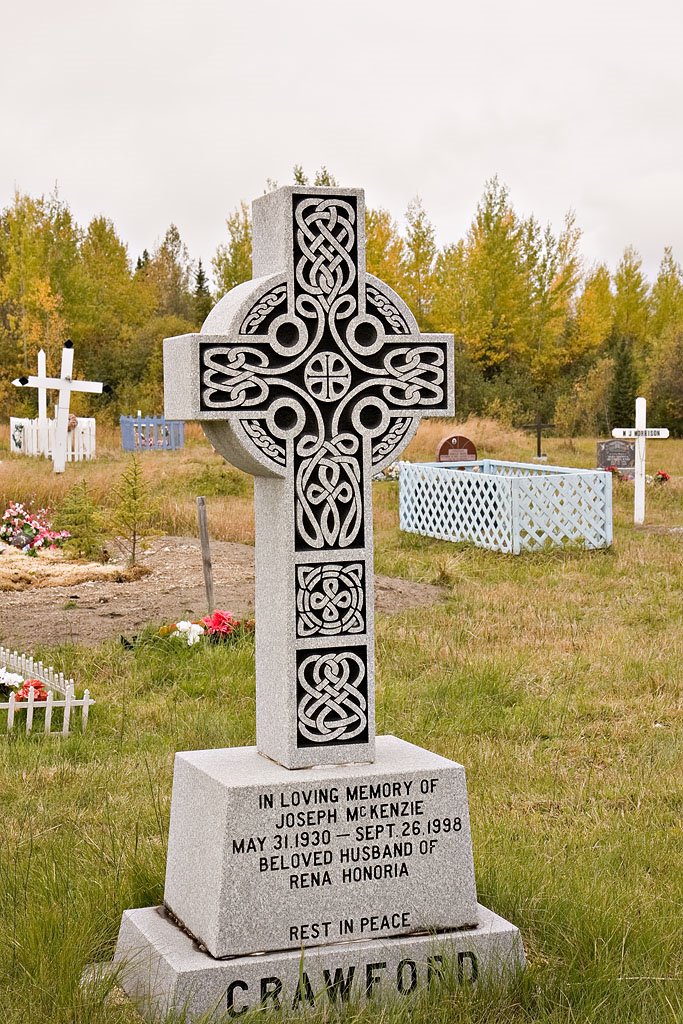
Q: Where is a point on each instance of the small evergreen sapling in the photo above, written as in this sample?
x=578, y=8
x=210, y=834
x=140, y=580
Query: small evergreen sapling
x=82, y=517
x=133, y=510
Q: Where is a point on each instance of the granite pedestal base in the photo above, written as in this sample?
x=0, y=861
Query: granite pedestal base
x=161, y=969
x=264, y=858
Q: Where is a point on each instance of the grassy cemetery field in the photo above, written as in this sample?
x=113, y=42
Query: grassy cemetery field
x=555, y=678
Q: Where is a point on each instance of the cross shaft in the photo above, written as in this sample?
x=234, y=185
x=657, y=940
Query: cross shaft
x=312, y=377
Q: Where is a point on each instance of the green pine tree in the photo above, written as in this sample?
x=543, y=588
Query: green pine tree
x=624, y=387
x=202, y=296
x=134, y=508
x=142, y=261
x=82, y=517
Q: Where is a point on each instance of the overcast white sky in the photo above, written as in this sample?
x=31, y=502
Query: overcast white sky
x=152, y=111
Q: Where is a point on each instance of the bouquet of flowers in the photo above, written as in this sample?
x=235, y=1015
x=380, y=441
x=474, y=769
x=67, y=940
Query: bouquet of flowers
x=14, y=681
x=390, y=472
x=662, y=477
x=615, y=471
x=40, y=690
x=29, y=531
x=219, y=627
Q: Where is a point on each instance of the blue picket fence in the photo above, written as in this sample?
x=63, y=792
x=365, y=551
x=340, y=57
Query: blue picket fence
x=151, y=433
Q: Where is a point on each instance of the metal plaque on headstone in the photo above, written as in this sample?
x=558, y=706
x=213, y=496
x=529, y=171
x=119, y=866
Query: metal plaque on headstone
x=456, y=448
x=621, y=454
x=312, y=377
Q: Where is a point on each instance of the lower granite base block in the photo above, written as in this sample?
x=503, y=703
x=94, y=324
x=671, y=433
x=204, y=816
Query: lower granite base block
x=161, y=969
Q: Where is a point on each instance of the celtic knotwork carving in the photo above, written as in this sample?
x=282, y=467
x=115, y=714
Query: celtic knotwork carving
x=321, y=375
x=327, y=376
x=330, y=599
x=265, y=306
x=386, y=310
x=325, y=235
x=331, y=697
x=265, y=441
x=329, y=502
x=384, y=445
x=231, y=378
x=417, y=375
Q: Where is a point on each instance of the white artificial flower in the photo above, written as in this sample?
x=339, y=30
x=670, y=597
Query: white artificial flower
x=189, y=631
x=10, y=678
x=194, y=634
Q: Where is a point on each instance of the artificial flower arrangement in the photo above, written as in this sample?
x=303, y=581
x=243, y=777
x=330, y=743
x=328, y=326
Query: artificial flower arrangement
x=390, y=472
x=29, y=531
x=220, y=627
x=13, y=681
x=661, y=476
x=615, y=471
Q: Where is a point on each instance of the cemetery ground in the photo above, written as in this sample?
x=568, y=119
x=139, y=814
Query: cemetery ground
x=555, y=678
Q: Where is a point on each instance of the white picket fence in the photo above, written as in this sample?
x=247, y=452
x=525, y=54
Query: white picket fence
x=25, y=438
x=29, y=668
x=507, y=506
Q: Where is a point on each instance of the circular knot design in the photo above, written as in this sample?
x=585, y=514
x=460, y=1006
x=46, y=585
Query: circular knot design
x=327, y=376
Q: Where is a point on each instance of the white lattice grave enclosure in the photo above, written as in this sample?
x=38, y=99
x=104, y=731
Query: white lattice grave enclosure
x=507, y=506
x=55, y=683
x=80, y=442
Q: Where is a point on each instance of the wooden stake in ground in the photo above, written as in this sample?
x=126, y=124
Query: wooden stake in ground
x=65, y=385
x=206, y=552
x=640, y=433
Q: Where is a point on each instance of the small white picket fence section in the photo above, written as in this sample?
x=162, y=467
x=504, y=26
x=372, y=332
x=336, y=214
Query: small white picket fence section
x=29, y=668
x=507, y=506
x=80, y=442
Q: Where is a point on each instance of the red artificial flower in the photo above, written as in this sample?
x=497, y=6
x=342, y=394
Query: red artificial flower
x=220, y=623
x=40, y=692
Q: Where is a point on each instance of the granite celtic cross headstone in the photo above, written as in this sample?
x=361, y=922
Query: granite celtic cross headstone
x=312, y=377
x=352, y=876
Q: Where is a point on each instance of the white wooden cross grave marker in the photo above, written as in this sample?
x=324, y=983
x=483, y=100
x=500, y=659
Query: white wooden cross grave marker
x=640, y=432
x=64, y=384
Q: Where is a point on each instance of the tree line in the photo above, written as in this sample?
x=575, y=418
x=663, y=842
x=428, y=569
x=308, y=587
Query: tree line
x=537, y=331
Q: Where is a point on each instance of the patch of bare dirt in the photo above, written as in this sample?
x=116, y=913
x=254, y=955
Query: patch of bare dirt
x=85, y=603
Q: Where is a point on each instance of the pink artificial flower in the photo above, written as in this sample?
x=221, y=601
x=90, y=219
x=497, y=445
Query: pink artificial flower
x=220, y=623
x=39, y=691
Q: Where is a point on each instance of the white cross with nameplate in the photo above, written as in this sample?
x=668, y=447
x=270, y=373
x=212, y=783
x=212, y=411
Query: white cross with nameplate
x=640, y=433
x=64, y=385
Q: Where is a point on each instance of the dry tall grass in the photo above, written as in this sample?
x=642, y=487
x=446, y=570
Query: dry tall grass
x=176, y=478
